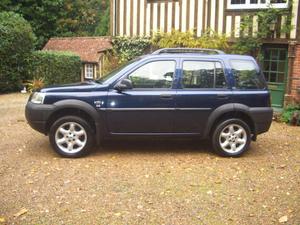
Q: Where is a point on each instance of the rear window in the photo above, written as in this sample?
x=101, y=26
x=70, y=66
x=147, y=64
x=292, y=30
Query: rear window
x=246, y=76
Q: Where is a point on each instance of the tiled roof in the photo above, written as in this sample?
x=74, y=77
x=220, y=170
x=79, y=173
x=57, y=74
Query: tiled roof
x=88, y=48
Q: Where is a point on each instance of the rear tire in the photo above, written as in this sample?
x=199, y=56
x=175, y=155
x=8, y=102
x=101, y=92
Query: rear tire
x=71, y=136
x=231, y=138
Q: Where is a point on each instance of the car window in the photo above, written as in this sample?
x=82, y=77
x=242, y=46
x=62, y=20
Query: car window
x=203, y=74
x=246, y=75
x=107, y=77
x=157, y=74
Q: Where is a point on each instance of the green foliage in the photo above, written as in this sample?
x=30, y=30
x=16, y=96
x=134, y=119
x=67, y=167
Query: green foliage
x=175, y=38
x=42, y=15
x=84, y=18
x=127, y=48
x=35, y=84
x=291, y=114
x=102, y=27
x=55, y=67
x=50, y=18
x=16, y=45
x=267, y=20
x=111, y=62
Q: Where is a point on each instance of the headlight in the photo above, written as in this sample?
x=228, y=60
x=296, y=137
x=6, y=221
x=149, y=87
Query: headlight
x=38, y=97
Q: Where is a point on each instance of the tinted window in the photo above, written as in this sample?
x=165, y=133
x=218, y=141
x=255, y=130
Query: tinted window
x=220, y=76
x=246, y=76
x=106, y=78
x=200, y=74
x=158, y=74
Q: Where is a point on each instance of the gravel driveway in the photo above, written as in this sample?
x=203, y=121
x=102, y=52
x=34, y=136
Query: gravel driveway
x=145, y=182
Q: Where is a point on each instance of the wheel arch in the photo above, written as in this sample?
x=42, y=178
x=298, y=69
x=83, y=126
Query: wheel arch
x=75, y=108
x=229, y=111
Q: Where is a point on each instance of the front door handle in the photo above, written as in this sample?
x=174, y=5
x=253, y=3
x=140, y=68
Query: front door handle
x=166, y=96
x=221, y=96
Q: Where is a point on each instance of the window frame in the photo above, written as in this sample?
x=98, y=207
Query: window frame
x=181, y=87
x=277, y=61
x=86, y=71
x=144, y=64
x=258, y=5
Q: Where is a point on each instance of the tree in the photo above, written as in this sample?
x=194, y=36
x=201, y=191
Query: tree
x=59, y=18
x=104, y=17
x=84, y=18
x=16, y=45
x=41, y=14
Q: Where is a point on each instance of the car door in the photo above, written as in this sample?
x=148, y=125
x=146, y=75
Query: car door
x=149, y=106
x=202, y=88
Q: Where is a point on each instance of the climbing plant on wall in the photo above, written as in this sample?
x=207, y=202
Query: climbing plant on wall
x=267, y=21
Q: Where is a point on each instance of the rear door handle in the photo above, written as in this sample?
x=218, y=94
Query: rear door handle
x=166, y=96
x=222, y=96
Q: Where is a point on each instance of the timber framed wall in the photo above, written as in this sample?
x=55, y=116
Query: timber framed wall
x=143, y=17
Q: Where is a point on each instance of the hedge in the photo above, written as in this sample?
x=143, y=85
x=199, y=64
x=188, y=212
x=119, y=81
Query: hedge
x=55, y=67
x=128, y=48
x=16, y=46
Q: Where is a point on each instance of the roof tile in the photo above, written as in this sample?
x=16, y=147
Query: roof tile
x=88, y=48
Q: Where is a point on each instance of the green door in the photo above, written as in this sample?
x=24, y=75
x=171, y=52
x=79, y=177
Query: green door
x=275, y=68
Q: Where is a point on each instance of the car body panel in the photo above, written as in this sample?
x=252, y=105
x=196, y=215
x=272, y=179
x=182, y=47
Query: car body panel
x=175, y=111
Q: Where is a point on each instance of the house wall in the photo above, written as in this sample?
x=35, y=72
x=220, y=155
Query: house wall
x=143, y=17
x=295, y=77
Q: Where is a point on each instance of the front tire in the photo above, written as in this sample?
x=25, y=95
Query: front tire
x=231, y=137
x=71, y=136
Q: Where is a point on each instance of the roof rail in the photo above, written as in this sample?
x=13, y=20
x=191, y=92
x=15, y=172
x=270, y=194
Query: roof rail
x=189, y=50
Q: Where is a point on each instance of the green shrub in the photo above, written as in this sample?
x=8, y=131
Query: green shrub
x=55, y=67
x=16, y=45
x=291, y=114
x=127, y=48
x=35, y=84
x=175, y=38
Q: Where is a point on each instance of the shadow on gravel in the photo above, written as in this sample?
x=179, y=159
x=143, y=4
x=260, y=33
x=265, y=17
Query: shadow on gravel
x=151, y=146
x=154, y=146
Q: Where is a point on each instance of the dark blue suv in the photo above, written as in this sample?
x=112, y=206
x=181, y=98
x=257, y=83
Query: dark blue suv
x=172, y=92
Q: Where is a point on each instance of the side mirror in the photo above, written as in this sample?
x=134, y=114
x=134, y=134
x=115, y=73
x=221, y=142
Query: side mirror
x=122, y=85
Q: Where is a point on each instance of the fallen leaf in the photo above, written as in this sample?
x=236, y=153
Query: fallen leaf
x=282, y=166
x=209, y=192
x=2, y=220
x=283, y=219
x=118, y=214
x=21, y=212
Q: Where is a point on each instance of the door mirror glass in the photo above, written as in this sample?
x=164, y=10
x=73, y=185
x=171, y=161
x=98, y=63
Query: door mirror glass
x=122, y=85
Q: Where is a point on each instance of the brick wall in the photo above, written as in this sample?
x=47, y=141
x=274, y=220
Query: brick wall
x=295, y=81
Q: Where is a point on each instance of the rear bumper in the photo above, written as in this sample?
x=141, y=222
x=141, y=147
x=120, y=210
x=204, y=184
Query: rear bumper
x=262, y=118
x=37, y=116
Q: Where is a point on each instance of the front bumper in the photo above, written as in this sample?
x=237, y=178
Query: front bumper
x=262, y=118
x=37, y=116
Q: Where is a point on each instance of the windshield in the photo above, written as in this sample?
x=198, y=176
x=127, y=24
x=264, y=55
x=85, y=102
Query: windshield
x=107, y=77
